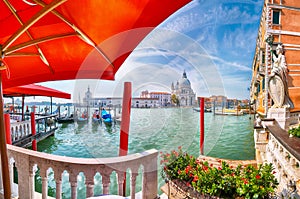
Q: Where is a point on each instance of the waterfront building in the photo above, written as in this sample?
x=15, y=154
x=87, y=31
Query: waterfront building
x=183, y=91
x=219, y=100
x=275, y=89
x=136, y=102
x=164, y=98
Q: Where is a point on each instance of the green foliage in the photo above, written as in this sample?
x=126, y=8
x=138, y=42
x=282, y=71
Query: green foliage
x=175, y=100
x=295, y=131
x=224, y=181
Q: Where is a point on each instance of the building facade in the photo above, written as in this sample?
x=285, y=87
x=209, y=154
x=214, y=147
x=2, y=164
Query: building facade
x=183, y=91
x=275, y=89
x=136, y=102
x=279, y=28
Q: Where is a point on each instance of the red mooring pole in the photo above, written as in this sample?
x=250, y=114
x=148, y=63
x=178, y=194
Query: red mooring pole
x=125, y=122
x=201, y=125
x=7, y=128
x=33, y=131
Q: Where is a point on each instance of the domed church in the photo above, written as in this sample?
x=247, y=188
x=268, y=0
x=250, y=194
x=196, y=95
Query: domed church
x=183, y=91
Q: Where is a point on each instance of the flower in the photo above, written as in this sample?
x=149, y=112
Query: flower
x=222, y=181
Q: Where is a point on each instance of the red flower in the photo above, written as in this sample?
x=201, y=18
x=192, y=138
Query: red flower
x=245, y=182
x=195, y=178
x=257, y=176
x=219, y=168
x=274, y=172
x=188, y=184
x=180, y=147
x=187, y=169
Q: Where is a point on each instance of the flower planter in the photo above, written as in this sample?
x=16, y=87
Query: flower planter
x=190, y=176
x=187, y=191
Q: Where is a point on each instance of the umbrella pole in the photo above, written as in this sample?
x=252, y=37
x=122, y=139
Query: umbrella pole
x=3, y=148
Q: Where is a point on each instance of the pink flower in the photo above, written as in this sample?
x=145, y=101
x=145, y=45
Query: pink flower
x=179, y=172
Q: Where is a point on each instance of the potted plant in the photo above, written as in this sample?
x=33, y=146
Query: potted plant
x=199, y=179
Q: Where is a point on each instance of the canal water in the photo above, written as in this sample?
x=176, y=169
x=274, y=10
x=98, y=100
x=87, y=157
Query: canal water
x=229, y=137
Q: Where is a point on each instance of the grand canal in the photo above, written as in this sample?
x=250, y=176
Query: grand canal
x=229, y=137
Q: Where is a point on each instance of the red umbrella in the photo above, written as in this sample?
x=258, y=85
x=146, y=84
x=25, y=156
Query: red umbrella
x=59, y=39
x=34, y=90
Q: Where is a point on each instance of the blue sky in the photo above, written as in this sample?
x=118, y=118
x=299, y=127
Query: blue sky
x=212, y=40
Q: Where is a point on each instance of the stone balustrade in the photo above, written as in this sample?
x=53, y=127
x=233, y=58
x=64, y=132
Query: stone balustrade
x=26, y=162
x=273, y=145
x=20, y=130
x=285, y=163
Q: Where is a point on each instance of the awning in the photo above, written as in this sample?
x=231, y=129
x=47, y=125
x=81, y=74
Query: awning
x=34, y=90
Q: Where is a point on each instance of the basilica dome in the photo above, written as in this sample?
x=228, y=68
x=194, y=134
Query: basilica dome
x=184, y=81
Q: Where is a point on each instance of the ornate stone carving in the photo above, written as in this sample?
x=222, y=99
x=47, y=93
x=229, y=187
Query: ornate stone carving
x=278, y=87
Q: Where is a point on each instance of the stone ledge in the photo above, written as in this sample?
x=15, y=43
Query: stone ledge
x=292, y=144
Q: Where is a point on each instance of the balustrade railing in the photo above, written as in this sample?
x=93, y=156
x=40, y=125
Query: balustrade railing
x=286, y=164
x=269, y=149
x=26, y=162
x=22, y=130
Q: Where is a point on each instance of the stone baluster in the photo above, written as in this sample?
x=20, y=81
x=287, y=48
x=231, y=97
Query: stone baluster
x=149, y=190
x=11, y=172
x=28, y=129
x=120, y=176
x=12, y=134
x=89, y=184
x=106, y=182
x=44, y=176
x=23, y=166
x=58, y=181
x=133, y=176
x=32, y=171
x=73, y=182
x=16, y=132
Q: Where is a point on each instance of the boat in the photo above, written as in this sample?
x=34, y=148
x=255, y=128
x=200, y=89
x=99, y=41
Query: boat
x=197, y=109
x=226, y=111
x=69, y=119
x=96, y=120
x=81, y=120
x=106, y=117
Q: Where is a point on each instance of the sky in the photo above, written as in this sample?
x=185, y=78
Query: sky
x=212, y=40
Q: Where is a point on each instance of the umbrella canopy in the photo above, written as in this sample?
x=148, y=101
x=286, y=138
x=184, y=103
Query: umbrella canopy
x=76, y=39
x=46, y=40
x=34, y=90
